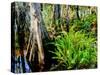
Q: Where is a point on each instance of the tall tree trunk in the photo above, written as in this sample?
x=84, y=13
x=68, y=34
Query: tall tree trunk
x=67, y=19
x=20, y=19
x=57, y=13
x=62, y=17
x=77, y=12
x=35, y=10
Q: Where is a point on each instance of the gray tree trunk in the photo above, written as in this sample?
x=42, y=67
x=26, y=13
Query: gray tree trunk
x=57, y=10
x=77, y=12
x=67, y=19
x=36, y=30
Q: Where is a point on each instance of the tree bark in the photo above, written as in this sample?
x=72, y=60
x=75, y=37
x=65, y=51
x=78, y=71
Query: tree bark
x=77, y=12
x=57, y=10
x=20, y=19
x=67, y=19
x=35, y=11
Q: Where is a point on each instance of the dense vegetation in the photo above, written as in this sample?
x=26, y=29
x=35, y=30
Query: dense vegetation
x=50, y=37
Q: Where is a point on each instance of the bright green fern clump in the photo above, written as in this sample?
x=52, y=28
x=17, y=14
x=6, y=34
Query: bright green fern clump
x=75, y=50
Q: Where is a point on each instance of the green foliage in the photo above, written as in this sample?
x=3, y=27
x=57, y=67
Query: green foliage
x=47, y=14
x=85, y=23
x=75, y=50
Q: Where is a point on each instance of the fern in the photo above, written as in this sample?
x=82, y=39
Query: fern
x=75, y=49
